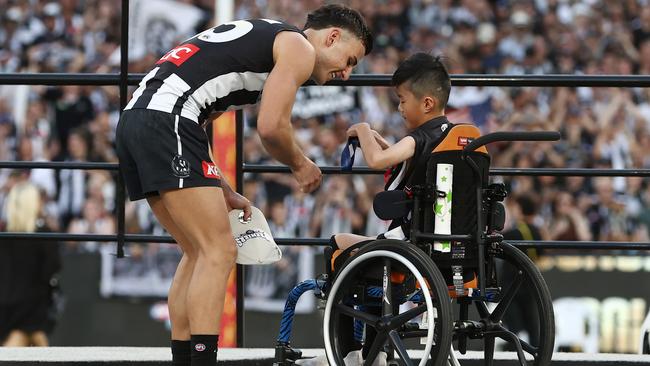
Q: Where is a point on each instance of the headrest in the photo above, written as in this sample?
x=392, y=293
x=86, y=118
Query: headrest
x=458, y=137
x=255, y=245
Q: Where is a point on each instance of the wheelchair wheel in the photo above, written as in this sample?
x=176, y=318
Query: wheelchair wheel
x=371, y=286
x=525, y=296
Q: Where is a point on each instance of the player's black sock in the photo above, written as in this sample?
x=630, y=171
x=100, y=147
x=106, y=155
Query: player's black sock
x=204, y=349
x=181, y=354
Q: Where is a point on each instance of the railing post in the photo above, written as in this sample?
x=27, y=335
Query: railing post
x=239, y=162
x=120, y=195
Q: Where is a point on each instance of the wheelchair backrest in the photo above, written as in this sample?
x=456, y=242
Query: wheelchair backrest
x=465, y=181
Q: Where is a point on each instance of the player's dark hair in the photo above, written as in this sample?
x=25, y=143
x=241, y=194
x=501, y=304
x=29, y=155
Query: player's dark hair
x=335, y=15
x=424, y=75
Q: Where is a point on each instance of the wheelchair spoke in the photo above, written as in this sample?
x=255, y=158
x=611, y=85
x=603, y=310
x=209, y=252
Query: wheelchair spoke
x=404, y=317
x=357, y=314
x=482, y=309
x=498, y=312
x=532, y=350
x=400, y=348
x=509, y=336
x=377, y=346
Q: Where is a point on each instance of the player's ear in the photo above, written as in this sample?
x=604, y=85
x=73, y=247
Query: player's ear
x=332, y=36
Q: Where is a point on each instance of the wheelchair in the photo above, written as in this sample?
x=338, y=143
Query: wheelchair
x=411, y=301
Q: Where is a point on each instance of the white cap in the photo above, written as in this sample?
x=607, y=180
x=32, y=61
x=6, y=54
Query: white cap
x=486, y=33
x=580, y=9
x=15, y=14
x=52, y=9
x=255, y=245
x=520, y=18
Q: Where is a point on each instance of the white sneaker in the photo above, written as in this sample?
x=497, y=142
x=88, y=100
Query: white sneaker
x=380, y=360
x=353, y=359
x=316, y=361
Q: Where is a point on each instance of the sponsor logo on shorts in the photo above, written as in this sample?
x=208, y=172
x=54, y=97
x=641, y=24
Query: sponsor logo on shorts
x=251, y=234
x=463, y=141
x=200, y=347
x=210, y=170
x=179, y=54
x=180, y=167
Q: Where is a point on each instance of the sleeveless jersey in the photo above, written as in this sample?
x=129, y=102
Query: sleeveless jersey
x=413, y=171
x=222, y=68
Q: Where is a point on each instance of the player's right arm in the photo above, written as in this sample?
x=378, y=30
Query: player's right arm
x=294, y=63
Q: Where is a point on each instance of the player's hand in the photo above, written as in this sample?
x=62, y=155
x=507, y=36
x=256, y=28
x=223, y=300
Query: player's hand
x=237, y=201
x=308, y=175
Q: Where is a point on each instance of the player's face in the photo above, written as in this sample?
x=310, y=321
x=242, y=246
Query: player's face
x=410, y=106
x=341, y=53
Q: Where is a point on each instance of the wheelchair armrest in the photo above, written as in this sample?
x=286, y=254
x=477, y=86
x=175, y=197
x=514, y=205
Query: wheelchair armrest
x=390, y=205
x=512, y=136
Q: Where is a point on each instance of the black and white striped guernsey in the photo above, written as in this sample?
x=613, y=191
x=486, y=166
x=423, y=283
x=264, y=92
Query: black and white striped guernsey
x=222, y=68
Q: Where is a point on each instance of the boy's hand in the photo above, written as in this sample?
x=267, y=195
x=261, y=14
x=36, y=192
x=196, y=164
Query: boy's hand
x=353, y=131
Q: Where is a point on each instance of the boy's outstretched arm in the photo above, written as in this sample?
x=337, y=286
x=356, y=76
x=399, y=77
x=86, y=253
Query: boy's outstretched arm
x=376, y=157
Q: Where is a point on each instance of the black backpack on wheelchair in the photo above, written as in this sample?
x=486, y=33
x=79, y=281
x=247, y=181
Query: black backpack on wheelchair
x=396, y=296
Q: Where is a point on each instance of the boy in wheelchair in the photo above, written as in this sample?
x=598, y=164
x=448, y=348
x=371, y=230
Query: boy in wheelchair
x=422, y=85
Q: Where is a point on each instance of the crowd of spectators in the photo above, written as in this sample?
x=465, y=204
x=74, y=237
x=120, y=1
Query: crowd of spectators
x=601, y=127
x=605, y=128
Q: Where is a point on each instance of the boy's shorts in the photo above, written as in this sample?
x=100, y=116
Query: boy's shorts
x=161, y=151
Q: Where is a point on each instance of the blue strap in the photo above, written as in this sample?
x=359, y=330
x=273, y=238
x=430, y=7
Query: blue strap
x=347, y=156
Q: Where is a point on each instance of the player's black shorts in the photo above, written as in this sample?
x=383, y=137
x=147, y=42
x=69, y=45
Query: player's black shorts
x=160, y=151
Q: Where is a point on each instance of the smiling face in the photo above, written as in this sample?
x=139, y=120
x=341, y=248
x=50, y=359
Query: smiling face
x=336, y=55
x=413, y=109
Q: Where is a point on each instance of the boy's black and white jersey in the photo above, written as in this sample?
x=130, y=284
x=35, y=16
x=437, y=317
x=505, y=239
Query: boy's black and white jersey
x=222, y=68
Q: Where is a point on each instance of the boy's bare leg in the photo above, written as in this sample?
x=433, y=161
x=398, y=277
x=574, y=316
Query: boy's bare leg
x=345, y=240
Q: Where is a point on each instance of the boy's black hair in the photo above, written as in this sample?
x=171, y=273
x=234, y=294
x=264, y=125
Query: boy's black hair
x=425, y=75
x=335, y=15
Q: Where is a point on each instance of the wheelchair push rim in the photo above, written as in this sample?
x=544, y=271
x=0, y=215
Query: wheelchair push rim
x=435, y=302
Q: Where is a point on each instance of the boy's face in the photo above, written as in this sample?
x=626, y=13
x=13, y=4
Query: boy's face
x=410, y=106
